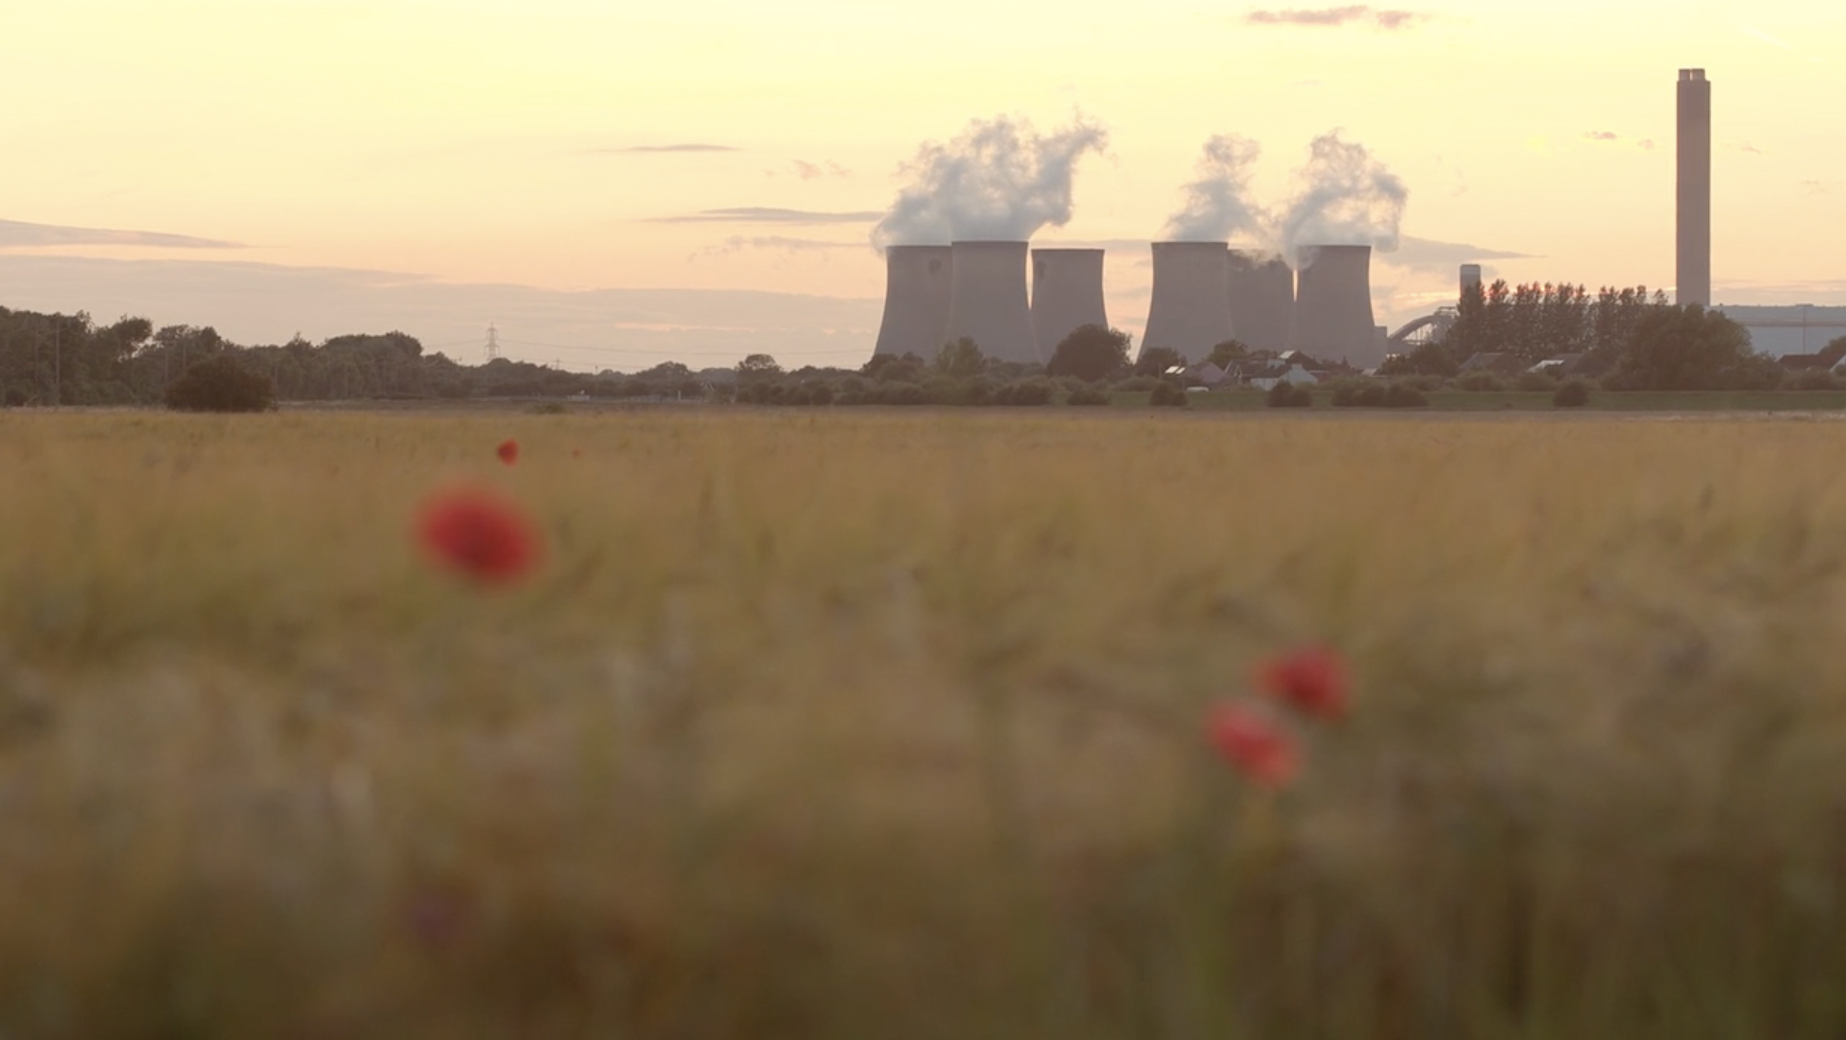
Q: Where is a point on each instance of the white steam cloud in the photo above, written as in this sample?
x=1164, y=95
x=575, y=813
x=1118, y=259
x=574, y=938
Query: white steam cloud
x=1218, y=203
x=1345, y=198
x=999, y=180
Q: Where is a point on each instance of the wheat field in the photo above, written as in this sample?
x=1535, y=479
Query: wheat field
x=888, y=725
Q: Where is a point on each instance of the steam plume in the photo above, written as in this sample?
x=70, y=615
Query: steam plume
x=999, y=180
x=1218, y=203
x=1346, y=197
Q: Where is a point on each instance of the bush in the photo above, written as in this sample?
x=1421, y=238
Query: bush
x=1287, y=395
x=1087, y=397
x=548, y=408
x=1168, y=395
x=1031, y=393
x=221, y=384
x=1572, y=394
x=1535, y=382
x=1373, y=394
x=1480, y=382
x=1812, y=380
x=1137, y=385
x=1358, y=393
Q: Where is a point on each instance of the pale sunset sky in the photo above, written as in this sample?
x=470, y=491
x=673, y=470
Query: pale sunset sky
x=614, y=183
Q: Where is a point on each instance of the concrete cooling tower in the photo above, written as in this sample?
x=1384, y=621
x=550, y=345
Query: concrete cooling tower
x=1262, y=299
x=1333, y=306
x=1066, y=295
x=916, y=301
x=1190, y=311
x=987, y=300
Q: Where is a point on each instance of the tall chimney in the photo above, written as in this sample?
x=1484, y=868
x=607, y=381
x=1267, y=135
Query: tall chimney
x=1262, y=299
x=1333, y=306
x=1470, y=278
x=1191, y=308
x=1693, y=276
x=916, y=300
x=988, y=301
x=1066, y=295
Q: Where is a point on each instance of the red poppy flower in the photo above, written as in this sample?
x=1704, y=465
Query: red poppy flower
x=576, y=453
x=1250, y=741
x=508, y=451
x=1311, y=680
x=479, y=534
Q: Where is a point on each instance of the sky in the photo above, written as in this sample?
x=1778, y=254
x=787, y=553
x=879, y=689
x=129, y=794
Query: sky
x=611, y=184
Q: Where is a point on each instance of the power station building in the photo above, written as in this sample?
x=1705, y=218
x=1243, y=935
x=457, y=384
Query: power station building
x=1692, y=274
x=989, y=302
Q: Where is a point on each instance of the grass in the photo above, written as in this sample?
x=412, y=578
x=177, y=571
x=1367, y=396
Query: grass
x=1534, y=401
x=886, y=725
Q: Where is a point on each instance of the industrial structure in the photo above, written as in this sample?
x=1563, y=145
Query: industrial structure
x=1190, y=311
x=1262, y=299
x=916, y=300
x=1333, y=306
x=1066, y=295
x=988, y=300
x=1692, y=276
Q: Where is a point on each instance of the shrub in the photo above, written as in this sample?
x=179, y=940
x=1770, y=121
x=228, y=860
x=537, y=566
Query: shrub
x=1030, y=393
x=1574, y=393
x=1400, y=395
x=1168, y=395
x=1087, y=397
x=1136, y=385
x=1287, y=395
x=1358, y=393
x=1480, y=382
x=221, y=384
x=1535, y=382
x=1812, y=380
x=548, y=408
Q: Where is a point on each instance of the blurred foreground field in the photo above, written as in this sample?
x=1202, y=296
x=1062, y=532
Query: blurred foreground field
x=888, y=726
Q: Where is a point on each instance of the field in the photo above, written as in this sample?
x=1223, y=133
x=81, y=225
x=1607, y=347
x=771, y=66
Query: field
x=886, y=724
x=1540, y=401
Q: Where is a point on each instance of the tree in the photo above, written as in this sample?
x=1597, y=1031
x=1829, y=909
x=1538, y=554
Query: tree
x=1230, y=350
x=221, y=384
x=1833, y=352
x=1154, y=361
x=758, y=368
x=1691, y=348
x=1090, y=353
x=960, y=359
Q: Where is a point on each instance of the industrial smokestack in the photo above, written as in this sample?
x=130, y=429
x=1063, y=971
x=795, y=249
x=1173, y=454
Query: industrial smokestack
x=1693, y=277
x=1191, y=309
x=987, y=300
x=916, y=300
x=1066, y=295
x=1262, y=299
x=1470, y=278
x=1333, y=306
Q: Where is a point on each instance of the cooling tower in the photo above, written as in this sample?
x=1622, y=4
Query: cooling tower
x=1190, y=311
x=1262, y=299
x=1333, y=306
x=1693, y=267
x=1066, y=295
x=987, y=300
x=916, y=300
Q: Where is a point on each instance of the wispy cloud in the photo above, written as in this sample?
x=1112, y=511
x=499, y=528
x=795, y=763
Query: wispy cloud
x=1429, y=254
x=15, y=234
x=777, y=243
x=769, y=215
x=1334, y=17
x=808, y=171
x=1819, y=187
x=665, y=149
x=1646, y=144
